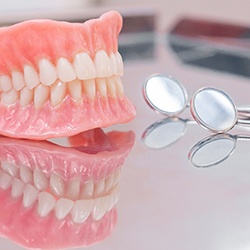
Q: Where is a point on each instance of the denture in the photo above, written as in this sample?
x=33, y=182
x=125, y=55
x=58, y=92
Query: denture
x=59, y=79
x=57, y=197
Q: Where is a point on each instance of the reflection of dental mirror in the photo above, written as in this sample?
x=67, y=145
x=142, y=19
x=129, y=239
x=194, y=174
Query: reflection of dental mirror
x=215, y=110
x=213, y=150
x=164, y=133
x=165, y=95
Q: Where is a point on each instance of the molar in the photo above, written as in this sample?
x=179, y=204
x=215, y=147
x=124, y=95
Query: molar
x=5, y=83
x=84, y=66
x=58, y=92
x=65, y=70
x=30, y=76
x=103, y=64
x=17, y=80
x=48, y=74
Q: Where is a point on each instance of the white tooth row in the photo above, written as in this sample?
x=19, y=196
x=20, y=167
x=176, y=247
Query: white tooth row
x=79, y=209
x=75, y=189
x=111, y=86
x=82, y=67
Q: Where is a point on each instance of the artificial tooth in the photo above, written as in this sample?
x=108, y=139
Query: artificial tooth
x=117, y=176
x=114, y=196
x=17, y=80
x=120, y=64
x=89, y=88
x=57, y=185
x=47, y=71
x=30, y=194
x=99, y=187
x=10, y=97
x=84, y=66
x=41, y=182
x=103, y=64
x=75, y=89
x=114, y=64
x=26, y=174
x=101, y=86
x=81, y=210
x=9, y=168
x=73, y=190
x=87, y=190
x=119, y=85
x=17, y=188
x=58, y=92
x=65, y=70
x=101, y=206
x=41, y=95
x=30, y=76
x=46, y=203
x=5, y=83
x=26, y=96
x=63, y=207
x=111, y=87
x=5, y=180
x=109, y=182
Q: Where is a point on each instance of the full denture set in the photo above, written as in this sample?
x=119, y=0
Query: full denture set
x=60, y=79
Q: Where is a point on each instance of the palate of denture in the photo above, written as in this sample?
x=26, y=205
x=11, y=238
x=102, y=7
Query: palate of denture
x=61, y=189
x=64, y=79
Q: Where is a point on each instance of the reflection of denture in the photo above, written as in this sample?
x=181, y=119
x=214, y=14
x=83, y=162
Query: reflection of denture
x=59, y=79
x=62, y=193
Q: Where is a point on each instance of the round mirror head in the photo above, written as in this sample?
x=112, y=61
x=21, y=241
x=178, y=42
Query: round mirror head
x=165, y=95
x=212, y=150
x=213, y=109
x=164, y=133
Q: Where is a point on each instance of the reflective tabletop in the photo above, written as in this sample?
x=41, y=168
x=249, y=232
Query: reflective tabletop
x=192, y=192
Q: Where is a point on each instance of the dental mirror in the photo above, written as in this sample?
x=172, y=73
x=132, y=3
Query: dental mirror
x=214, y=149
x=165, y=95
x=213, y=109
x=164, y=133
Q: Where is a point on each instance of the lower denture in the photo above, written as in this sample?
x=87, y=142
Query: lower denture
x=67, y=188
